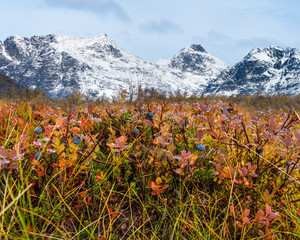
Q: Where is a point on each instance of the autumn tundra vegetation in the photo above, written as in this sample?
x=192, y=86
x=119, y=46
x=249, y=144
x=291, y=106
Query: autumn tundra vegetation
x=153, y=168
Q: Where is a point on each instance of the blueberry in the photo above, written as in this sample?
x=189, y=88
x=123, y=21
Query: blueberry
x=135, y=131
x=200, y=147
x=38, y=130
x=150, y=114
x=288, y=163
x=259, y=150
x=117, y=153
x=121, y=120
x=38, y=156
x=76, y=140
x=185, y=122
x=229, y=110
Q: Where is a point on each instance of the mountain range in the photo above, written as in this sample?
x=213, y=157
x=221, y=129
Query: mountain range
x=97, y=67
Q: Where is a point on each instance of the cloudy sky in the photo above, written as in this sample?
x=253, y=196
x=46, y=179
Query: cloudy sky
x=158, y=29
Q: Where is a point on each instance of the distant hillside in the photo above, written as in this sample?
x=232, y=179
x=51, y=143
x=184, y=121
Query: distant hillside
x=9, y=87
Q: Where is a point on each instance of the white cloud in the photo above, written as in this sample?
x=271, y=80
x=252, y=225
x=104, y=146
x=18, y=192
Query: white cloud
x=160, y=27
x=98, y=7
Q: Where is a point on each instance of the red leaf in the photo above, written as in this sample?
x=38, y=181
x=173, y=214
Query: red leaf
x=225, y=112
x=244, y=171
x=202, y=118
x=148, y=122
x=240, y=172
x=287, y=140
x=225, y=138
x=199, y=134
x=260, y=213
x=261, y=233
x=231, y=209
x=4, y=152
x=12, y=153
x=178, y=171
x=90, y=109
x=74, y=113
x=153, y=186
x=112, y=145
x=47, y=130
x=251, y=167
x=161, y=140
x=273, y=125
x=213, y=134
x=121, y=141
x=246, y=220
x=252, y=175
x=268, y=209
x=246, y=212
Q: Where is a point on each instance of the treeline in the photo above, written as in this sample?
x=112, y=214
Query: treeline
x=139, y=94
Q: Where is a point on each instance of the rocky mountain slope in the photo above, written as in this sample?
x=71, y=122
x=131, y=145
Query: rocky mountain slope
x=96, y=66
x=271, y=70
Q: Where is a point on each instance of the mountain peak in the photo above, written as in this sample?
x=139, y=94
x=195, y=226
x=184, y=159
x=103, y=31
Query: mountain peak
x=194, y=48
x=197, y=47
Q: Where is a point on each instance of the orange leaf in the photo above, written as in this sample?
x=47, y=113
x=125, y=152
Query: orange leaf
x=59, y=121
x=245, y=181
x=62, y=163
x=158, y=180
x=228, y=172
x=99, y=176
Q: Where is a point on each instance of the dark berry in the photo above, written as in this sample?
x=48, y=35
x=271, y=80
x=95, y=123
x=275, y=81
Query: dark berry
x=38, y=156
x=288, y=163
x=150, y=114
x=185, y=122
x=38, y=130
x=200, y=147
x=259, y=150
x=76, y=140
x=229, y=110
x=117, y=153
x=135, y=131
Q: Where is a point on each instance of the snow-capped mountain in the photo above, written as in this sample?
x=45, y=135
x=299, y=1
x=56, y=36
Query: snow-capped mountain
x=271, y=70
x=195, y=62
x=96, y=66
